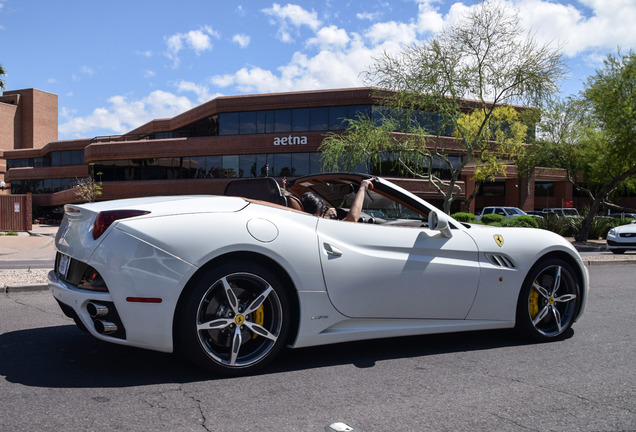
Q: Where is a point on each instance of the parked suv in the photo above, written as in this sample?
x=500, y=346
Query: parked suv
x=562, y=212
x=507, y=212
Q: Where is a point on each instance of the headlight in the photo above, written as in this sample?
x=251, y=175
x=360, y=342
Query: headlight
x=612, y=232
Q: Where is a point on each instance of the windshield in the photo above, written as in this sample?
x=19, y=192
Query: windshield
x=378, y=204
x=514, y=211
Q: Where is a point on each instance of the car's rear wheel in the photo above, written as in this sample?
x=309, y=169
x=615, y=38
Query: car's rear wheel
x=549, y=300
x=235, y=320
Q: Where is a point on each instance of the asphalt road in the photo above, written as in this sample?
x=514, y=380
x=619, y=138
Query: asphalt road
x=55, y=378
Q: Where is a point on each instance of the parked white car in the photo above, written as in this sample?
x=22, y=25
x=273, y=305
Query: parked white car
x=622, y=238
x=507, y=212
x=230, y=281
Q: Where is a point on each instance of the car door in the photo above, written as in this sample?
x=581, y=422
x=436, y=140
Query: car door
x=383, y=271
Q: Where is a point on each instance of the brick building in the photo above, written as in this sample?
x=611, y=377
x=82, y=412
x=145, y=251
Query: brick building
x=199, y=151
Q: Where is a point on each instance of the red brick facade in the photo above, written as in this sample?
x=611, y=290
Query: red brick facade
x=37, y=137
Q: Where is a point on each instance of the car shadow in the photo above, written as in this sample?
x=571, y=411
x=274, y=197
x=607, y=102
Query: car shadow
x=65, y=357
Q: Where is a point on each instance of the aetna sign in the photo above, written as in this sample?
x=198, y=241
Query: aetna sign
x=290, y=140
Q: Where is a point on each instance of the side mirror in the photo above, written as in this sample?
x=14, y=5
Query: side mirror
x=437, y=221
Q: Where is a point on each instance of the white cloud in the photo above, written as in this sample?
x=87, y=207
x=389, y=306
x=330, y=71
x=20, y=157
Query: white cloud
x=609, y=25
x=196, y=40
x=202, y=92
x=123, y=115
x=291, y=16
x=369, y=16
x=242, y=40
x=330, y=37
x=86, y=70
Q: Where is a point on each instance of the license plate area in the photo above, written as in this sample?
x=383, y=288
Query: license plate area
x=63, y=265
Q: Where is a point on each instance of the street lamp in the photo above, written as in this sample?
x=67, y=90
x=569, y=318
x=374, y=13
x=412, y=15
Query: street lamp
x=2, y=185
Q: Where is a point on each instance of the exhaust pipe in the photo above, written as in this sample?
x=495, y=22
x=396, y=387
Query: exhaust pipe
x=105, y=327
x=96, y=310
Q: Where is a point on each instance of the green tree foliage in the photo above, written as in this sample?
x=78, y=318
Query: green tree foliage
x=496, y=139
x=87, y=189
x=483, y=57
x=2, y=73
x=592, y=136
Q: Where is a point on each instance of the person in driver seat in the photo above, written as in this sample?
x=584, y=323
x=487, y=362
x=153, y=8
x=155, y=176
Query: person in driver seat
x=313, y=204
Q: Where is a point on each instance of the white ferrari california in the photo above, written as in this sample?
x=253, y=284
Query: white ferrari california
x=231, y=280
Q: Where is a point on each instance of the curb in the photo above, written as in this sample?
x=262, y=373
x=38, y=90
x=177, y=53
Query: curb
x=24, y=288
x=593, y=262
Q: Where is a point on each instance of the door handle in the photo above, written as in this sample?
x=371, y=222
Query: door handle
x=332, y=250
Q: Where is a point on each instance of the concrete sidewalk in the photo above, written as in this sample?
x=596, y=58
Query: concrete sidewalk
x=37, y=244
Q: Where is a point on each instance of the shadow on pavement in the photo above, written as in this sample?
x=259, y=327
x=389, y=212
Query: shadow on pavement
x=65, y=357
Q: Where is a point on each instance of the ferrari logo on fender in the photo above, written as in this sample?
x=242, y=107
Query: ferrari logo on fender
x=498, y=239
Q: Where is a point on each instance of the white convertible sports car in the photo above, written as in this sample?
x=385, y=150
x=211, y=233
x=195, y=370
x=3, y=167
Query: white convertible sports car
x=229, y=281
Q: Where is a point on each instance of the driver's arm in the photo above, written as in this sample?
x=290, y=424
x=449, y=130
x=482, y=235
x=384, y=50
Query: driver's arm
x=358, y=201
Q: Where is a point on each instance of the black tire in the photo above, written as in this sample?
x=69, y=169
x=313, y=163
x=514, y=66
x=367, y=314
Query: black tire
x=618, y=251
x=235, y=320
x=549, y=300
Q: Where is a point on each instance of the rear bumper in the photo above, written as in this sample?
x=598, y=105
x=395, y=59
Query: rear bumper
x=75, y=303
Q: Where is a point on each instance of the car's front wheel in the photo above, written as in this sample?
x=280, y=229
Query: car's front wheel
x=548, y=301
x=235, y=319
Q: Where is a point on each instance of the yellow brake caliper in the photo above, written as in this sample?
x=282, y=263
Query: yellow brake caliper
x=533, y=303
x=259, y=318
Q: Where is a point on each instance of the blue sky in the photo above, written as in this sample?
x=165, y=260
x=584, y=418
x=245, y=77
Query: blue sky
x=118, y=64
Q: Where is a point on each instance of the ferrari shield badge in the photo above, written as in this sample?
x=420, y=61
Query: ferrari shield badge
x=498, y=239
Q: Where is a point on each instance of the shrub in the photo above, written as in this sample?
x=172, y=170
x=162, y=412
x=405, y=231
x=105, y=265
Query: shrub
x=521, y=221
x=567, y=227
x=492, y=219
x=464, y=217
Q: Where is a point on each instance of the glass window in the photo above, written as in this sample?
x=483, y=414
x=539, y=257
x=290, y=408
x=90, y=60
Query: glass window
x=214, y=165
x=265, y=121
x=77, y=157
x=247, y=122
x=262, y=164
x=543, y=189
x=300, y=164
x=247, y=166
x=337, y=115
x=314, y=163
x=319, y=119
x=228, y=124
x=198, y=167
x=356, y=111
x=282, y=121
x=282, y=165
x=300, y=119
x=230, y=166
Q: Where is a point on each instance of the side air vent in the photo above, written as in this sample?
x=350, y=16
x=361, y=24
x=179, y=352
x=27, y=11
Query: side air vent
x=500, y=260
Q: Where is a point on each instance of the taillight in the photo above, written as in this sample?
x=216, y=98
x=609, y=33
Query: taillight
x=106, y=218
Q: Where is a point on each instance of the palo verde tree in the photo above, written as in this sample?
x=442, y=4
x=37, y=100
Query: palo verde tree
x=502, y=138
x=593, y=135
x=485, y=56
